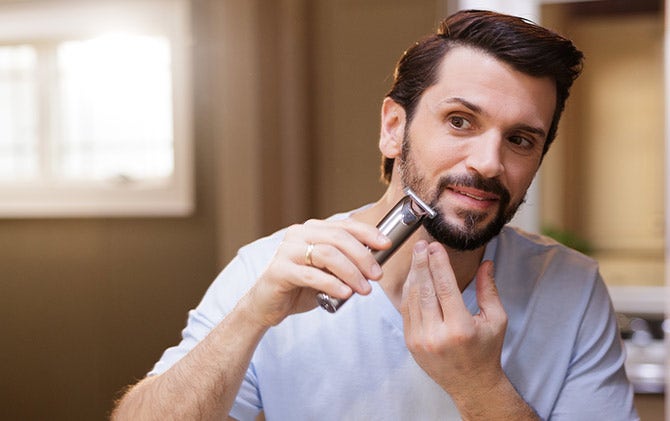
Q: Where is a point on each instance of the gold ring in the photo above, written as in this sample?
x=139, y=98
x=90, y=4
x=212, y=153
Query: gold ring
x=308, y=254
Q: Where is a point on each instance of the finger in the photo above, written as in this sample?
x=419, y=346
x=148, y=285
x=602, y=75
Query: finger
x=323, y=281
x=332, y=260
x=306, y=276
x=488, y=298
x=444, y=282
x=419, y=292
x=370, y=236
x=352, y=239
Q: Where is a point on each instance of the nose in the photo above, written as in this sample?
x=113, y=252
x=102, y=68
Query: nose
x=485, y=156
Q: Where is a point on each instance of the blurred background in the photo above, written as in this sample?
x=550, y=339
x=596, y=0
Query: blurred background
x=142, y=142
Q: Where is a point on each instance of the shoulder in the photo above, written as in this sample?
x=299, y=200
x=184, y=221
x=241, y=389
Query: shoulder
x=531, y=265
x=540, y=249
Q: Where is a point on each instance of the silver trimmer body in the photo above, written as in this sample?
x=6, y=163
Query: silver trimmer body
x=398, y=224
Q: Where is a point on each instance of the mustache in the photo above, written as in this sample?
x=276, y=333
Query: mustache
x=476, y=181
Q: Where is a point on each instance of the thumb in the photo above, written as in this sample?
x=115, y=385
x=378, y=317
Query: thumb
x=488, y=298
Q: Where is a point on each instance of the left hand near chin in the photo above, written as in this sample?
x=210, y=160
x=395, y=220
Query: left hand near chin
x=461, y=352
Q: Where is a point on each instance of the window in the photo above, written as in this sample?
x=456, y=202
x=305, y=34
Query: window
x=18, y=139
x=95, y=108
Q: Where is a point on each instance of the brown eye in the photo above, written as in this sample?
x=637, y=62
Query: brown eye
x=459, y=122
x=521, y=142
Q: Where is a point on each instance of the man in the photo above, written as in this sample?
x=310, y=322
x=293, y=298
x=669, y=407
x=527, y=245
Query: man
x=468, y=319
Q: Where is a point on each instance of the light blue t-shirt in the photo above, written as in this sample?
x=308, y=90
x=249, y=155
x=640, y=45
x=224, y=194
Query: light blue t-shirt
x=562, y=350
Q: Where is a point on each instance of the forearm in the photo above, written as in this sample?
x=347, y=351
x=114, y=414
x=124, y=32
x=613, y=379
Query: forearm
x=500, y=402
x=204, y=383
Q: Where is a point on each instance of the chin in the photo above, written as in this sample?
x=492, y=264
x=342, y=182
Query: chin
x=464, y=230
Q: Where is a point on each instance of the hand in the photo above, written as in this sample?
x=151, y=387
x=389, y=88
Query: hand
x=339, y=264
x=461, y=352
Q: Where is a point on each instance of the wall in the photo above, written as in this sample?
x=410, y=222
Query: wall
x=286, y=109
x=603, y=180
x=359, y=43
x=87, y=305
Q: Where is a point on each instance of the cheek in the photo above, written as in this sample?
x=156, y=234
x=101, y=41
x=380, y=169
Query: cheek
x=519, y=177
x=438, y=158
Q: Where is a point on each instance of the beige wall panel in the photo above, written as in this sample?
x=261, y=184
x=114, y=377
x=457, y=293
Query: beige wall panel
x=604, y=179
x=358, y=43
x=623, y=132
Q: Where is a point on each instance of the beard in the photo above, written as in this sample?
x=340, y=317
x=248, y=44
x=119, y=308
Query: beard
x=470, y=234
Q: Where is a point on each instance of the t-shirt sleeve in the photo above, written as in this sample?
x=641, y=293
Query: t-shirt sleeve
x=222, y=295
x=218, y=301
x=596, y=386
x=247, y=404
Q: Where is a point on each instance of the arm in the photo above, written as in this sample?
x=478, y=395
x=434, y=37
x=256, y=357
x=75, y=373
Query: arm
x=459, y=351
x=205, y=382
x=192, y=388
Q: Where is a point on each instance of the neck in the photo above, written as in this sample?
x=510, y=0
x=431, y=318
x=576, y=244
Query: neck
x=396, y=268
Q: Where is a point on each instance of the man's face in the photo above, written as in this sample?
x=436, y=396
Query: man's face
x=474, y=145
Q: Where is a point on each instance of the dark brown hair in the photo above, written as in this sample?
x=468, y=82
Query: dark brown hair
x=527, y=47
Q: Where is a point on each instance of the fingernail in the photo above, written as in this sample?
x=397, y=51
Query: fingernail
x=345, y=290
x=383, y=239
x=420, y=247
x=365, y=287
x=376, y=271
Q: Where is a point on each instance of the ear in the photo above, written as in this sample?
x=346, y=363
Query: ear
x=392, y=128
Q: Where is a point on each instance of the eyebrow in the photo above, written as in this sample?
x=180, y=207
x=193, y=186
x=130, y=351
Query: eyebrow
x=477, y=109
x=533, y=130
x=467, y=104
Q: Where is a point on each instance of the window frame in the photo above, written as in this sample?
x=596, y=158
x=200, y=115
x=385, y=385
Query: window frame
x=44, y=21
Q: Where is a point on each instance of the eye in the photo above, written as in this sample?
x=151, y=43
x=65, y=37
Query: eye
x=459, y=122
x=522, y=142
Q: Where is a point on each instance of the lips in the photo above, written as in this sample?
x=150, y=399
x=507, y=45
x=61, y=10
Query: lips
x=472, y=193
x=476, y=194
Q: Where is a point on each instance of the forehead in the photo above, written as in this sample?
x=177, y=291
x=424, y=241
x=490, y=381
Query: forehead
x=494, y=86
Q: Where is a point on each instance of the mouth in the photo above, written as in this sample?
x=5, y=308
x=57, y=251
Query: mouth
x=475, y=194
